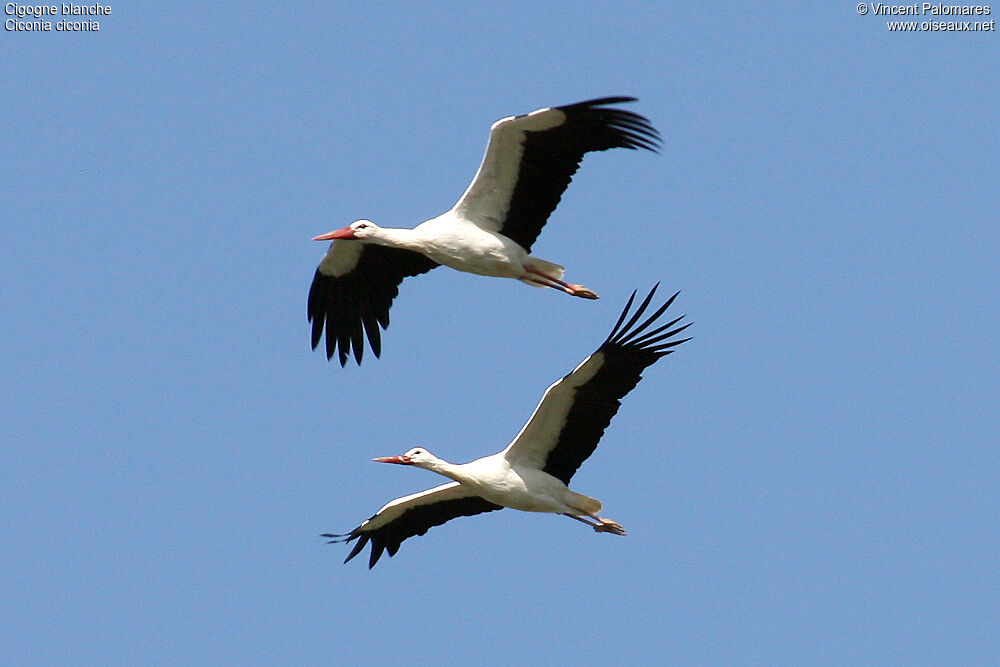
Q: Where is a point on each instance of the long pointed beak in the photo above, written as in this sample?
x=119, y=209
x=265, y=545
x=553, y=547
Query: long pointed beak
x=402, y=459
x=343, y=233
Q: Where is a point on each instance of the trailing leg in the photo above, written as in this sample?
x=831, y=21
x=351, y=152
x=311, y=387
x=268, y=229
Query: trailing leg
x=603, y=525
x=546, y=280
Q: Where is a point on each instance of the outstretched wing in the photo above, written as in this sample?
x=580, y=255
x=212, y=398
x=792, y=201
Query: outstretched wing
x=572, y=415
x=531, y=159
x=352, y=291
x=412, y=515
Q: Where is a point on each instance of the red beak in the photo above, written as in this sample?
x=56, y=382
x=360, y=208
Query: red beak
x=344, y=233
x=402, y=459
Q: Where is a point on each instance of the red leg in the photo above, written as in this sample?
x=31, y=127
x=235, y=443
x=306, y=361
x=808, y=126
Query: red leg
x=555, y=283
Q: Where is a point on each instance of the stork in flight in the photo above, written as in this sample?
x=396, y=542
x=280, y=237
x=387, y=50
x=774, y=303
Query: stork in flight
x=532, y=473
x=528, y=164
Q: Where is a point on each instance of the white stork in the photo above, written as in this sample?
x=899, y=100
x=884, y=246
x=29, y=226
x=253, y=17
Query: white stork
x=532, y=473
x=528, y=164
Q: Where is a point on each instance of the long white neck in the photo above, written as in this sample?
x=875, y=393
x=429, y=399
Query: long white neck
x=442, y=467
x=396, y=237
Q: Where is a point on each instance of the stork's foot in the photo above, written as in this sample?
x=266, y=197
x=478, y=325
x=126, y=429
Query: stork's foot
x=581, y=291
x=609, y=526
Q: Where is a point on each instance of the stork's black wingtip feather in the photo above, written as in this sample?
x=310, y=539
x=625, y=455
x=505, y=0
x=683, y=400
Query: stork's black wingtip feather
x=635, y=334
x=614, y=99
x=336, y=538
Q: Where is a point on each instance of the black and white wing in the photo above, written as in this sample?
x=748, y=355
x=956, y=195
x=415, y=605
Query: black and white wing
x=572, y=415
x=412, y=515
x=531, y=159
x=352, y=291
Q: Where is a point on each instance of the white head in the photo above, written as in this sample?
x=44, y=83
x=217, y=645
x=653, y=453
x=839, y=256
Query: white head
x=418, y=456
x=359, y=229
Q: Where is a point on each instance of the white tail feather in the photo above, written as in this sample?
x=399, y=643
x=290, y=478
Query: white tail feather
x=586, y=504
x=548, y=268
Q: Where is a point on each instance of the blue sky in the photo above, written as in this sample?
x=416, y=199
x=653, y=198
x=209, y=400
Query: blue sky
x=811, y=480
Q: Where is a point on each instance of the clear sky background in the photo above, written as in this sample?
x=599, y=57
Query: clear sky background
x=813, y=479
